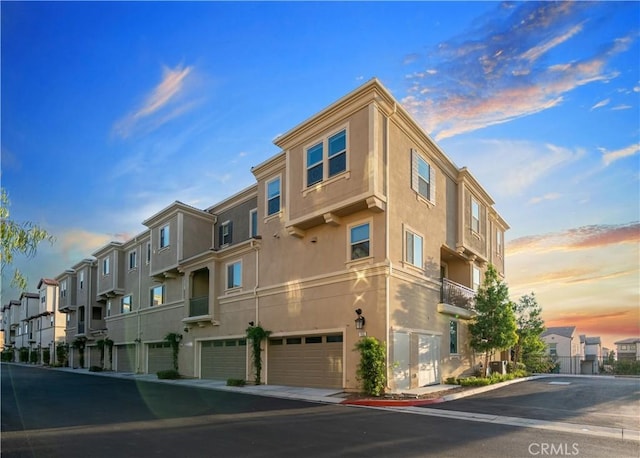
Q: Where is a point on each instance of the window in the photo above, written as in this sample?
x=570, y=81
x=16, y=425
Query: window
x=157, y=295
x=253, y=223
x=552, y=349
x=336, y=160
x=82, y=280
x=453, y=337
x=105, y=266
x=125, y=304
x=234, y=275
x=108, y=311
x=63, y=288
x=164, y=236
x=475, y=216
x=499, y=241
x=273, y=196
x=225, y=233
x=413, y=249
x=43, y=299
x=96, y=313
x=133, y=259
x=423, y=177
x=359, y=241
x=68, y=318
x=476, y=278
x=51, y=320
x=148, y=252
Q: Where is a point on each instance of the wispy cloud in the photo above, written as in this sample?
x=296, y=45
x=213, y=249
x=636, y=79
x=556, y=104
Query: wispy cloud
x=550, y=196
x=600, y=104
x=611, y=156
x=498, y=71
x=577, y=238
x=160, y=105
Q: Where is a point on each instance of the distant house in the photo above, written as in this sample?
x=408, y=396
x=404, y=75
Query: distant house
x=563, y=345
x=628, y=349
x=592, y=356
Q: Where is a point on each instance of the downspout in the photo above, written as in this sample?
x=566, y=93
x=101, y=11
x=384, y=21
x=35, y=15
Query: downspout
x=387, y=285
x=138, y=340
x=256, y=247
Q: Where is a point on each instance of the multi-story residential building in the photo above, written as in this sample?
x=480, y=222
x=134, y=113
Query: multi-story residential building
x=593, y=356
x=361, y=225
x=628, y=349
x=11, y=323
x=49, y=322
x=564, y=346
x=29, y=308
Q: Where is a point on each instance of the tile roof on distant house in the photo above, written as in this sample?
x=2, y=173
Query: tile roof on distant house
x=47, y=281
x=628, y=341
x=593, y=341
x=564, y=331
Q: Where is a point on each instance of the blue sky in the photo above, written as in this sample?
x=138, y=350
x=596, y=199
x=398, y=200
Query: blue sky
x=111, y=111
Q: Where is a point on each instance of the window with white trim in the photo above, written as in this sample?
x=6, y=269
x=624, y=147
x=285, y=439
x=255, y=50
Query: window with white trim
x=63, y=288
x=273, y=196
x=148, y=252
x=82, y=279
x=359, y=241
x=164, y=237
x=157, y=296
x=553, y=351
x=413, y=249
x=108, y=311
x=225, y=233
x=476, y=278
x=423, y=177
x=475, y=216
x=321, y=166
x=106, y=267
x=499, y=241
x=133, y=259
x=253, y=223
x=234, y=275
x=126, y=304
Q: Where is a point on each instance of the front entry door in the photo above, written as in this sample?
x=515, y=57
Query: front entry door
x=428, y=357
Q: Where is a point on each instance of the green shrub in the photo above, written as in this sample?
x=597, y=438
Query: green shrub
x=625, y=367
x=95, y=369
x=34, y=356
x=7, y=355
x=23, y=354
x=452, y=381
x=235, y=382
x=475, y=381
x=170, y=374
x=371, y=370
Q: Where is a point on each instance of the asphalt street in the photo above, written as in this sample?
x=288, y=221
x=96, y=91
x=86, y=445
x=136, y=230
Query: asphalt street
x=48, y=413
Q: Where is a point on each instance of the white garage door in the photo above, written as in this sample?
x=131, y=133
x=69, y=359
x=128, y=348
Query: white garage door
x=160, y=357
x=313, y=361
x=223, y=359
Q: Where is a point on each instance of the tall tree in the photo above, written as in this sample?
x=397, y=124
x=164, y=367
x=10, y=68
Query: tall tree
x=530, y=326
x=494, y=327
x=17, y=239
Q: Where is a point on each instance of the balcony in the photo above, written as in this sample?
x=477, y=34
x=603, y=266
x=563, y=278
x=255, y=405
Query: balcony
x=457, y=300
x=199, y=306
x=80, y=328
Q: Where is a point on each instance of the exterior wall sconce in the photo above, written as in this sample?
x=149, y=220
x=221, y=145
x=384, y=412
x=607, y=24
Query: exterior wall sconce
x=360, y=320
x=251, y=323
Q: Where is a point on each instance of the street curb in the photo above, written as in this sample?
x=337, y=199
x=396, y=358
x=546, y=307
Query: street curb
x=438, y=400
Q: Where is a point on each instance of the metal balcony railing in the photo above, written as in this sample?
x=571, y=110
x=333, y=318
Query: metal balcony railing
x=199, y=306
x=80, y=328
x=457, y=295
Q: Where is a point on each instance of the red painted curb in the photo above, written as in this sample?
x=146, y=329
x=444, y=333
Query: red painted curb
x=391, y=402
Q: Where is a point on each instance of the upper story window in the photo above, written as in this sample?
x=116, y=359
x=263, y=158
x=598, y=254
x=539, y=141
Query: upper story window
x=148, y=252
x=253, y=223
x=63, y=288
x=334, y=162
x=273, y=196
x=423, y=179
x=133, y=259
x=475, y=215
x=43, y=299
x=126, y=304
x=359, y=241
x=226, y=232
x=157, y=295
x=108, y=311
x=413, y=249
x=553, y=349
x=164, y=236
x=476, y=278
x=234, y=275
x=499, y=241
x=106, y=268
x=82, y=279
x=453, y=337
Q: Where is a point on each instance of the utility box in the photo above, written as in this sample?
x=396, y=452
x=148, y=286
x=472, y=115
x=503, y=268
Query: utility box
x=498, y=367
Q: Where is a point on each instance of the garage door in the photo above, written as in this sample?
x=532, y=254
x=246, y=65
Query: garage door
x=125, y=359
x=223, y=359
x=94, y=355
x=160, y=357
x=313, y=361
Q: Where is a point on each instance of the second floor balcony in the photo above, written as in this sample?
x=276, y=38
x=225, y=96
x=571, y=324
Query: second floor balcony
x=457, y=299
x=199, y=306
